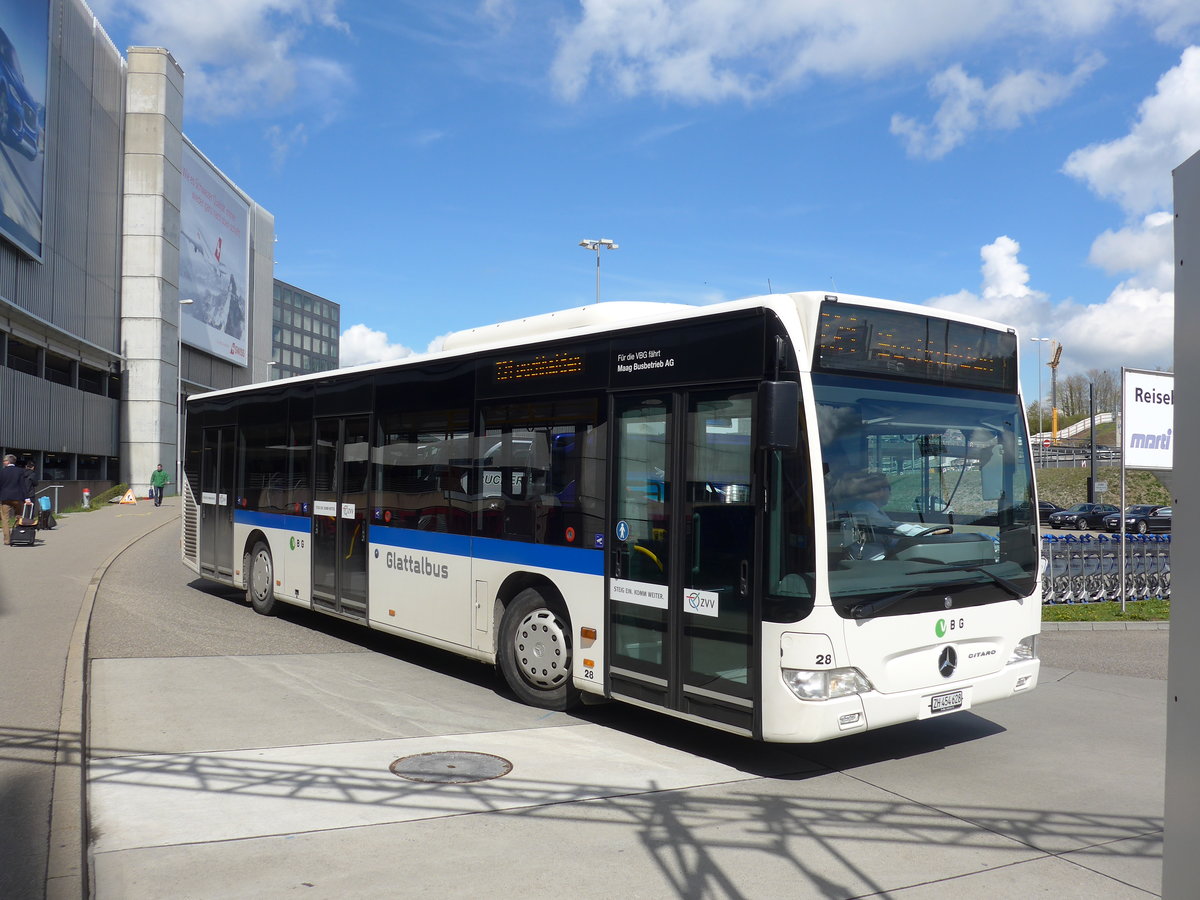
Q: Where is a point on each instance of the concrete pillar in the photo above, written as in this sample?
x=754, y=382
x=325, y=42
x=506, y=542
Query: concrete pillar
x=150, y=262
x=262, y=283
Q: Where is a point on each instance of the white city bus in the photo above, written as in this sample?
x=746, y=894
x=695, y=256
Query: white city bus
x=660, y=504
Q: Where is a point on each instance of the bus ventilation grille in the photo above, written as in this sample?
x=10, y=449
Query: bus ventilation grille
x=191, y=525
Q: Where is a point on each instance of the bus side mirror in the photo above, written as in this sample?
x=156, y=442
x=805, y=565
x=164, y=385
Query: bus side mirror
x=779, y=415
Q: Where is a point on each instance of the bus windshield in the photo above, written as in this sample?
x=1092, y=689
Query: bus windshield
x=927, y=496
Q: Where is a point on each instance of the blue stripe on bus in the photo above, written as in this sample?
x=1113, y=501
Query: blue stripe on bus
x=542, y=556
x=272, y=520
x=428, y=541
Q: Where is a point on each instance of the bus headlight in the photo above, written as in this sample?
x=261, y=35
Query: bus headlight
x=1024, y=651
x=825, y=684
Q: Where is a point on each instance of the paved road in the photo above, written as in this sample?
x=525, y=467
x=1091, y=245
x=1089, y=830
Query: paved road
x=224, y=741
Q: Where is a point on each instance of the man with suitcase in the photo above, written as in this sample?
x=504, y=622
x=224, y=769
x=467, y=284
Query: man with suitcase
x=12, y=495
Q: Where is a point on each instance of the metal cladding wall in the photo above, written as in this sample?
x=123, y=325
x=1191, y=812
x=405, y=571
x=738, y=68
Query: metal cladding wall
x=1181, y=862
x=69, y=301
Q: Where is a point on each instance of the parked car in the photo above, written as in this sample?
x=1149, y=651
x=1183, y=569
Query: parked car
x=1046, y=509
x=1084, y=516
x=1160, y=519
x=1141, y=519
x=1135, y=515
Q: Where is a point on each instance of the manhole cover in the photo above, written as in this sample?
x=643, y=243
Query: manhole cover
x=451, y=767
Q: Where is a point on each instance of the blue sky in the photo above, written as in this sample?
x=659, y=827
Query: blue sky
x=433, y=166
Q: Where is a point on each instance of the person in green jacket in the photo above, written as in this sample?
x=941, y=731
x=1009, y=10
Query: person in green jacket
x=158, y=479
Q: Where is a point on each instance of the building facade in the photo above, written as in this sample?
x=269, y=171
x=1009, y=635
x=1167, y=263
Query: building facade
x=115, y=230
x=304, y=332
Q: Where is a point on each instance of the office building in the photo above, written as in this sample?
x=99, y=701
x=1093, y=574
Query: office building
x=131, y=268
x=304, y=332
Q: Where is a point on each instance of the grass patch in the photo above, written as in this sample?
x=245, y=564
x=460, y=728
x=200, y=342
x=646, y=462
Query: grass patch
x=1135, y=611
x=1069, y=486
x=99, y=501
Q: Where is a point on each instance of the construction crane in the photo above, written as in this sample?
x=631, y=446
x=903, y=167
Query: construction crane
x=1053, y=364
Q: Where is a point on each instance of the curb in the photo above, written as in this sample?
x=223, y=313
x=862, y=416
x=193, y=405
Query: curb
x=67, y=864
x=1106, y=626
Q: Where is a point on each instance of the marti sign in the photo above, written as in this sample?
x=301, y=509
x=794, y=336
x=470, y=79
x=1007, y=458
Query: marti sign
x=1147, y=419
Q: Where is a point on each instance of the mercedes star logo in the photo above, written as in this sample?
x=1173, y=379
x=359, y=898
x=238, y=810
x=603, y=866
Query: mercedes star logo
x=948, y=662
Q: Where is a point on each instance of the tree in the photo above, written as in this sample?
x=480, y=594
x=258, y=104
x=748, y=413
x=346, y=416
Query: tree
x=1108, y=389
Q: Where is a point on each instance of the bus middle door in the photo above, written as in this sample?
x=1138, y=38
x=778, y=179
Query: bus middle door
x=682, y=542
x=341, y=461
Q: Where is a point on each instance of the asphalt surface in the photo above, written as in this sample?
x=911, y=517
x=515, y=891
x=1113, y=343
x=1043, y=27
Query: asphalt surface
x=258, y=747
x=222, y=741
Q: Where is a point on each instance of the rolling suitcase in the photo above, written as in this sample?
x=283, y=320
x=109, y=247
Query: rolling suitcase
x=24, y=533
x=45, y=517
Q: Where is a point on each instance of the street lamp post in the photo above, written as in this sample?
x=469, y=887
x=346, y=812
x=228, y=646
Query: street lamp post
x=607, y=244
x=179, y=396
x=1039, y=342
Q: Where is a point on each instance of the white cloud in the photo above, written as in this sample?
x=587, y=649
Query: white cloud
x=241, y=56
x=711, y=50
x=283, y=142
x=1133, y=326
x=1005, y=294
x=1135, y=170
x=361, y=345
x=967, y=105
x=1145, y=249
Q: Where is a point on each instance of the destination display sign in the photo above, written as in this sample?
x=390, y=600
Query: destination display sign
x=898, y=344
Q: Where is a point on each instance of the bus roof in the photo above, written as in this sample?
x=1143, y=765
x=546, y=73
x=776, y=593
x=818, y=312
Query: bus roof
x=601, y=317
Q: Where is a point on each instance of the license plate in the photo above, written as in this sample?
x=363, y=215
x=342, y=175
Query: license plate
x=943, y=703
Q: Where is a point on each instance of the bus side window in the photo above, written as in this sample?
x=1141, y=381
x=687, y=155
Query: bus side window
x=536, y=463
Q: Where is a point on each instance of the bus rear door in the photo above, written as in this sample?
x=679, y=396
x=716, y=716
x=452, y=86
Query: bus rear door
x=681, y=554
x=216, y=506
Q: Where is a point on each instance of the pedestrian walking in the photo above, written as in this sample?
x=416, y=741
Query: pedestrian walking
x=158, y=480
x=31, y=479
x=13, y=494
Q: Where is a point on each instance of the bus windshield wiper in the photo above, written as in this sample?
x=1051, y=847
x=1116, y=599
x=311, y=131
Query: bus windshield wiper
x=864, y=609
x=1008, y=586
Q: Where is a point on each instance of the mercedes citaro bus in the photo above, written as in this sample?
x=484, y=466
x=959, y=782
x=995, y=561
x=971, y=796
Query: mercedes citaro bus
x=792, y=517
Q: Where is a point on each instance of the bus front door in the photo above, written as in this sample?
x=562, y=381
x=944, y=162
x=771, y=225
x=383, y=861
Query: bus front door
x=681, y=555
x=341, y=460
x=216, y=506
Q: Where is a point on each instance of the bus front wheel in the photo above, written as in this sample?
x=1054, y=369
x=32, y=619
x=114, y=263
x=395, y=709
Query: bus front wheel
x=535, y=652
x=259, y=571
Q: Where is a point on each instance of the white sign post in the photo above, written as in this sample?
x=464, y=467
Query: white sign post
x=1147, y=431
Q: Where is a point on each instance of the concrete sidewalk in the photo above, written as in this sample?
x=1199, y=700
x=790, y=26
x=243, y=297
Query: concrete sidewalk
x=46, y=596
x=256, y=759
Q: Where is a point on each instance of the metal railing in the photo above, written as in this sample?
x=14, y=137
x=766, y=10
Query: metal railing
x=1086, y=569
x=50, y=487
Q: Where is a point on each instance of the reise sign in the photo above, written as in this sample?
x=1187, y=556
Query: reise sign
x=1148, y=418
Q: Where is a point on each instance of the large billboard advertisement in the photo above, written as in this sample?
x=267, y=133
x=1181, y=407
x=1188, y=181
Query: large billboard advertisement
x=1147, y=418
x=214, y=261
x=24, y=54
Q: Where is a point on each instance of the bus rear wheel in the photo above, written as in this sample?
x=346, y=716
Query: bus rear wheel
x=535, y=652
x=260, y=579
